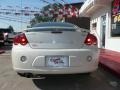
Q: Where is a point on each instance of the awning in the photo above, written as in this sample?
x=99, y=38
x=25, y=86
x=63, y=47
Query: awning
x=90, y=6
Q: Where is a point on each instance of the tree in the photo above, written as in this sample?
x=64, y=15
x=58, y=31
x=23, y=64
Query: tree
x=11, y=28
x=39, y=19
x=45, y=18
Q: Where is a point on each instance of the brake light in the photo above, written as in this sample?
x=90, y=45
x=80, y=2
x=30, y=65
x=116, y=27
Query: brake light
x=20, y=39
x=16, y=40
x=90, y=40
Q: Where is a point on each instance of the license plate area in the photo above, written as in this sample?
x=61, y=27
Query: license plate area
x=57, y=61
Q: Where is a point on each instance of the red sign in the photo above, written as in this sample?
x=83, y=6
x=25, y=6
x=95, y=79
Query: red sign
x=116, y=11
x=116, y=7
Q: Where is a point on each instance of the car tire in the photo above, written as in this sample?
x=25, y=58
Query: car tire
x=83, y=74
x=27, y=75
x=21, y=74
x=88, y=73
x=2, y=44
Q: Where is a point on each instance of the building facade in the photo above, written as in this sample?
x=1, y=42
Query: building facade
x=104, y=21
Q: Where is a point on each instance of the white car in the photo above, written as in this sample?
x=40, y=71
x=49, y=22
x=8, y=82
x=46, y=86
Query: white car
x=54, y=48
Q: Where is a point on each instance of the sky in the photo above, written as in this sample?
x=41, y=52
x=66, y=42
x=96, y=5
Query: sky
x=15, y=21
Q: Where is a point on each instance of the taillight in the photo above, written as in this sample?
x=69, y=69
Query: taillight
x=90, y=40
x=20, y=39
x=16, y=40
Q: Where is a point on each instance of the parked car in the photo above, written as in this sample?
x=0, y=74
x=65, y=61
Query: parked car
x=2, y=38
x=54, y=48
x=10, y=37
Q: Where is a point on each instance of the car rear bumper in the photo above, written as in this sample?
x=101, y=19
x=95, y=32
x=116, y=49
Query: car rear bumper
x=78, y=62
x=69, y=70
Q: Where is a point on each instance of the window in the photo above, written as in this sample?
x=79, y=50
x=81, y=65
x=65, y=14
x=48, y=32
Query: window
x=115, y=18
x=94, y=26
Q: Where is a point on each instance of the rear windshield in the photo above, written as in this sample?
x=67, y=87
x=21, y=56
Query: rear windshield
x=53, y=24
x=51, y=29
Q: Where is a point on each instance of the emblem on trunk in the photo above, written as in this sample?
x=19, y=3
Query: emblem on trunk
x=53, y=41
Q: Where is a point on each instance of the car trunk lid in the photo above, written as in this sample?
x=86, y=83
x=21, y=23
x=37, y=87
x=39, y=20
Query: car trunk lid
x=56, y=40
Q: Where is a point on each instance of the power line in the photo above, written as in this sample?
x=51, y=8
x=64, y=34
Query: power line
x=12, y=17
x=56, y=1
x=5, y=22
x=63, y=1
x=44, y=1
x=9, y=19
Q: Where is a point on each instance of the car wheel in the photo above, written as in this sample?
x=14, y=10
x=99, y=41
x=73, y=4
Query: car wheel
x=89, y=73
x=83, y=74
x=21, y=74
x=27, y=75
x=2, y=44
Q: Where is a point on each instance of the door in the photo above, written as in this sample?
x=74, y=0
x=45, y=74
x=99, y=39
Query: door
x=103, y=30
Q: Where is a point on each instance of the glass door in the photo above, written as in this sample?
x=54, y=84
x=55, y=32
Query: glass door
x=103, y=30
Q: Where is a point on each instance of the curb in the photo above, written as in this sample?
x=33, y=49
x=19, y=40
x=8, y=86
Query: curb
x=109, y=69
x=2, y=51
x=110, y=61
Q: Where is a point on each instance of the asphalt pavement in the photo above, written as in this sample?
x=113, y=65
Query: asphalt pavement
x=98, y=80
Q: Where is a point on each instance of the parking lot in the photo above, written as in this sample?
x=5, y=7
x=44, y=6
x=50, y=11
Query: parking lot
x=98, y=80
x=57, y=44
